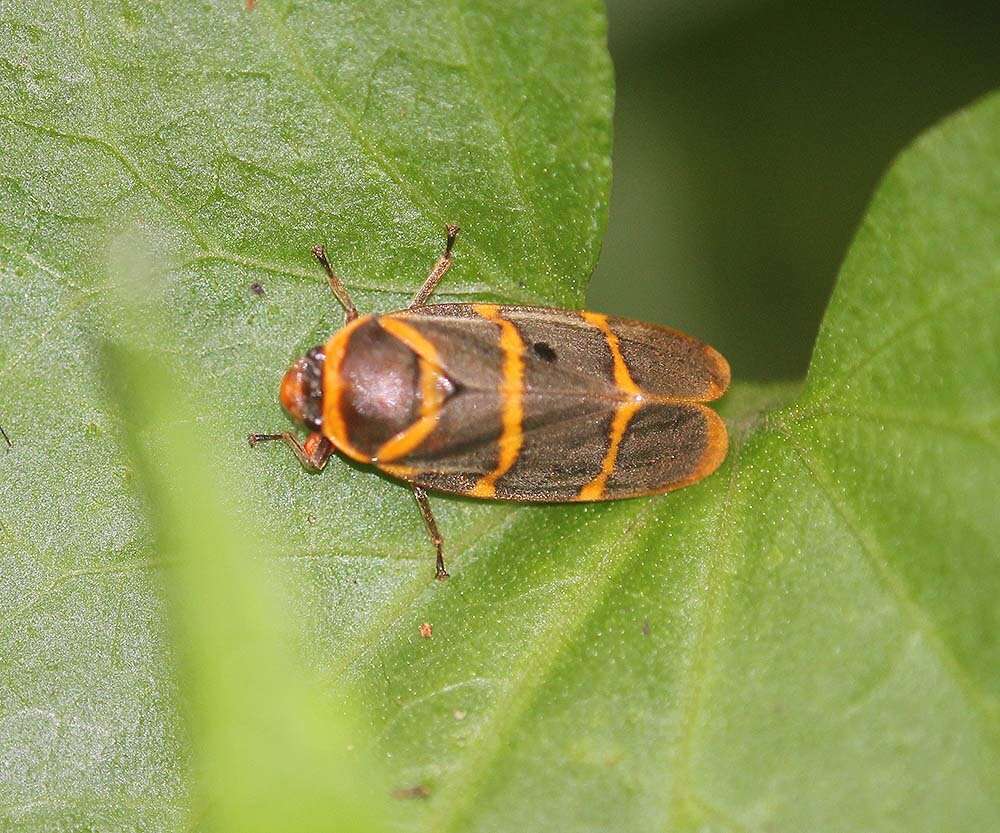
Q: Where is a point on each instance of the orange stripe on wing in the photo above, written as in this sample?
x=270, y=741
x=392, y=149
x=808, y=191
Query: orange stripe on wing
x=431, y=392
x=721, y=376
x=511, y=399
x=623, y=379
x=334, y=424
x=594, y=490
x=402, y=472
x=633, y=399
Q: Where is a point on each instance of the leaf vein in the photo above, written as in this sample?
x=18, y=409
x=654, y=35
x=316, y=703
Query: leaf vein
x=426, y=204
x=535, y=669
x=980, y=701
x=693, y=683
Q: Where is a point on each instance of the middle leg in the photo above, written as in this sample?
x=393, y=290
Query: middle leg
x=420, y=496
x=437, y=271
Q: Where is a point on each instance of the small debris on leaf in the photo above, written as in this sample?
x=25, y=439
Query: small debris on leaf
x=257, y=288
x=405, y=793
x=426, y=630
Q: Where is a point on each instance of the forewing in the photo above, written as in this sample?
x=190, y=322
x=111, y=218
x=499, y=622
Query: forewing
x=566, y=453
x=668, y=363
x=580, y=434
x=566, y=350
x=562, y=353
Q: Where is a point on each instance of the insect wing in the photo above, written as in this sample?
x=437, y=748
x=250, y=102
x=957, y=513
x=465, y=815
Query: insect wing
x=554, y=405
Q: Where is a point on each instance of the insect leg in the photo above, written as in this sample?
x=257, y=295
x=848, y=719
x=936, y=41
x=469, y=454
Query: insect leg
x=420, y=496
x=437, y=271
x=336, y=285
x=313, y=454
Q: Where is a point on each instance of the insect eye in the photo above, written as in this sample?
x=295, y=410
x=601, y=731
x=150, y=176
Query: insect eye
x=544, y=352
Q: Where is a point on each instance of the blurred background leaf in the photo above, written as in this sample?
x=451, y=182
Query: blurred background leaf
x=749, y=136
x=270, y=751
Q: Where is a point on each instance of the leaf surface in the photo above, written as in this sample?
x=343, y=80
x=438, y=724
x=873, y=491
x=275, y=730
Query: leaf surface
x=227, y=142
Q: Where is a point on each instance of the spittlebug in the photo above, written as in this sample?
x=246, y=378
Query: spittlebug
x=507, y=402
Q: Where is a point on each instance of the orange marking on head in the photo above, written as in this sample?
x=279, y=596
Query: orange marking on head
x=334, y=425
x=511, y=400
x=594, y=490
x=411, y=337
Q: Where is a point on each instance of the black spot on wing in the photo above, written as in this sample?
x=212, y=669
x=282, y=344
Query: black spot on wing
x=544, y=351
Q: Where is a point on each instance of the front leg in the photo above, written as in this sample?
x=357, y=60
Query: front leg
x=313, y=454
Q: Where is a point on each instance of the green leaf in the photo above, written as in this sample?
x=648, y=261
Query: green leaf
x=228, y=142
x=805, y=641
x=271, y=753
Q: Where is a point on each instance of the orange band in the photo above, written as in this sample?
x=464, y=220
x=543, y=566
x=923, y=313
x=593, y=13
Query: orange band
x=431, y=392
x=633, y=397
x=511, y=399
x=334, y=425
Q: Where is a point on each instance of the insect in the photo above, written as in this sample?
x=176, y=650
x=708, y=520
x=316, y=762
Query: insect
x=507, y=402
